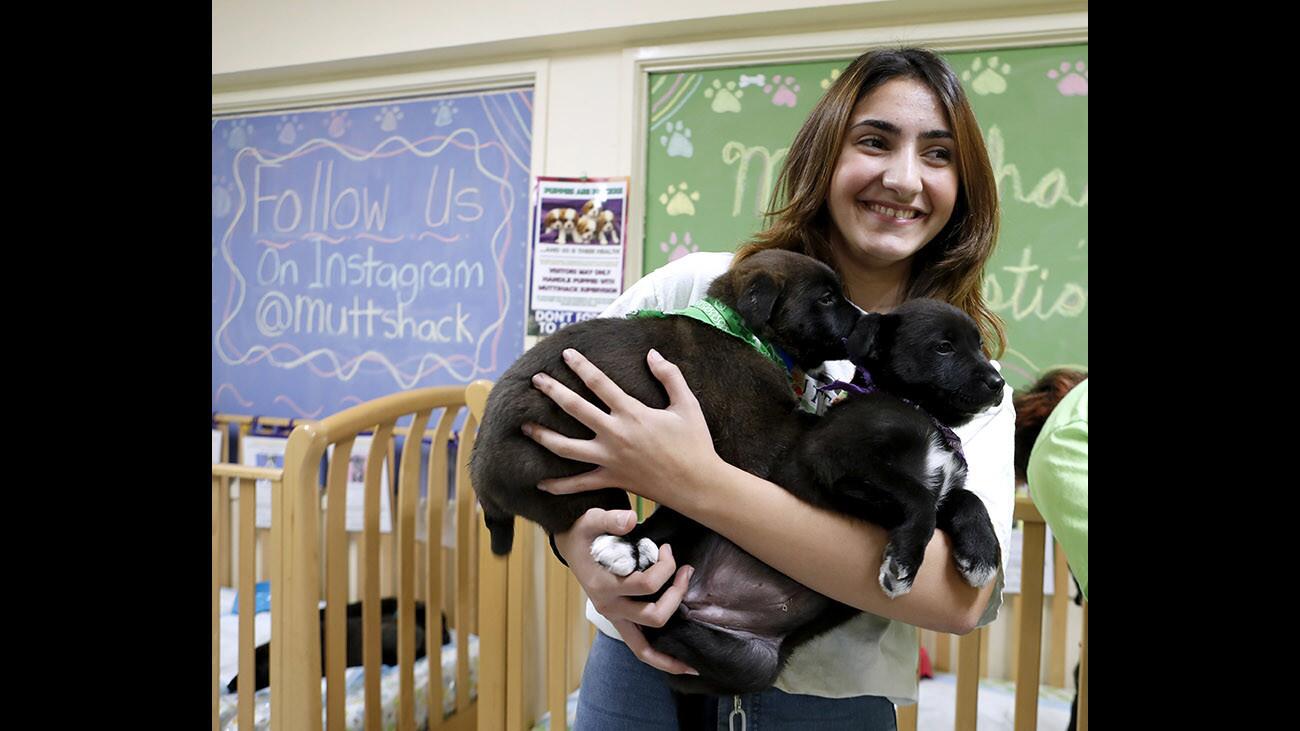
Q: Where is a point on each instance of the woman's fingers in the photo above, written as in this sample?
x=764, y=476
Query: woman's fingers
x=671, y=377
x=594, y=480
x=599, y=383
x=571, y=403
x=582, y=450
x=636, y=642
x=658, y=612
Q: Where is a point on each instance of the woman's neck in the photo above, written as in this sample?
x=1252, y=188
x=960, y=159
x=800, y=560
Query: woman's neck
x=875, y=289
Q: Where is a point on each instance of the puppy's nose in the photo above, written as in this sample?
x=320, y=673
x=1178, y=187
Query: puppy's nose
x=994, y=382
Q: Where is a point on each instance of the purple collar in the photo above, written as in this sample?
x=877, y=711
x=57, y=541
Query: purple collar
x=949, y=436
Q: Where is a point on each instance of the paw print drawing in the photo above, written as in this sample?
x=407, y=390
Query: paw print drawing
x=222, y=200
x=785, y=91
x=337, y=124
x=675, y=250
x=990, y=80
x=1072, y=82
x=289, y=128
x=443, y=112
x=678, y=202
x=725, y=98
x=678, y=141
x=387, y=118
x=835, y=74
x=238, y=134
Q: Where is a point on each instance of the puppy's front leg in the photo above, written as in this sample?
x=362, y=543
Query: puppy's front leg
x=975, y=548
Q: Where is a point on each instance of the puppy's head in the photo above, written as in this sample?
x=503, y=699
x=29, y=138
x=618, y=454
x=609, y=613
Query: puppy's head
x=791, y=300
x=928, y=352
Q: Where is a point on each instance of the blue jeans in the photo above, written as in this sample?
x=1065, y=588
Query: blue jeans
x=621, y=693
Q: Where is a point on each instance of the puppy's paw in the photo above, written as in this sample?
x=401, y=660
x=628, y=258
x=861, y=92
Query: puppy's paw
x=976, y=571
x=621, y=557
x=895, y=578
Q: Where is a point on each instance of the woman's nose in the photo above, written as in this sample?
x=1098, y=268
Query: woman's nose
x=902, y=175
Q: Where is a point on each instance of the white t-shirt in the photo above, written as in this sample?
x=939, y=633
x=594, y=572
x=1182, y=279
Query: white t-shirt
x=868, y=655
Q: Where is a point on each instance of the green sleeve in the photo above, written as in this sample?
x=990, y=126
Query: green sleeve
x=1058, y=483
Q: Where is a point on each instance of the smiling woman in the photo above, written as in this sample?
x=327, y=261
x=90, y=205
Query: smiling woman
x=889, y=183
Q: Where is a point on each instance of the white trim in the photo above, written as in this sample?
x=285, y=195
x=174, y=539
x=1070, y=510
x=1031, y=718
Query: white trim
x=639, y=62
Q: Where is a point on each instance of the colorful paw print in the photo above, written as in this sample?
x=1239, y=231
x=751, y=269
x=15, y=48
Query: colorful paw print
x=289, y=128
x=785, y=91
x=443, y=112
x=725, y=98
x=990, y=80
x=675, y=250
x=677, y=140
x=835, y=74
x=678, y=202
x=388, y=118
x=222, y=198
x=238, y=134
x=337, y=124
x=1073, y=80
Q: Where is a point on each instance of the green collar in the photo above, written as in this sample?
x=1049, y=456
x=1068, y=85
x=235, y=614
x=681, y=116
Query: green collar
x=720, y=315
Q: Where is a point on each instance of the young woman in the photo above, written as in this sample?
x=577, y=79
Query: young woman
x=889, y=183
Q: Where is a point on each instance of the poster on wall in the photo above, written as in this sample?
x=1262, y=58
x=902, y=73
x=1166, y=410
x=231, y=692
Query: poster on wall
x=579, y=227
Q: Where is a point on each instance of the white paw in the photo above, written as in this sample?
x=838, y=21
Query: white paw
x=977, y=576
x=892, y=578
x=615, y=554
x=647, y=554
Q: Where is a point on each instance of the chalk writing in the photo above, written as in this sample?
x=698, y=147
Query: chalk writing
x=1051, y=189
x=734, y=152
x=1070, y=301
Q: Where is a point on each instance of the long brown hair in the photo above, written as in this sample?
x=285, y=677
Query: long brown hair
x=951, y=266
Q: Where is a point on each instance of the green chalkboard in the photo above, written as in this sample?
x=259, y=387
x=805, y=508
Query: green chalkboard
x=717, y=139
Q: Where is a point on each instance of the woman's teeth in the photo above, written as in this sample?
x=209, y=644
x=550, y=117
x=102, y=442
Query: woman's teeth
x=884, y=211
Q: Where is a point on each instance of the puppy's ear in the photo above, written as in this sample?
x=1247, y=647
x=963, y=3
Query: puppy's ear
x=758, y=298
x=864, y=340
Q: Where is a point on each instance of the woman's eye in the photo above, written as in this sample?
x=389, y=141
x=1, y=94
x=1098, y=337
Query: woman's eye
x=939, y=153
x=872, y=142
x=943, y=348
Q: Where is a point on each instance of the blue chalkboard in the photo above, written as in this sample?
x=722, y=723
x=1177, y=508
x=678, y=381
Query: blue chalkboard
x=367, y=249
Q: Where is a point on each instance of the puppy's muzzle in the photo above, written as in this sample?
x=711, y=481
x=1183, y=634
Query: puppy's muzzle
x=994, y=383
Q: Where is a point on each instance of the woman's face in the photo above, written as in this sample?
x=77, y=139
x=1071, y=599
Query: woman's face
x=895, y=183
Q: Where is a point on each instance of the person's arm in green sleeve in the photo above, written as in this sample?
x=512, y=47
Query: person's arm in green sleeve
x=1058, y=478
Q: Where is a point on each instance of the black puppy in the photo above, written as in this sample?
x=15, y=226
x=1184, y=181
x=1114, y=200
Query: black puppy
x=355, y=658
x=884, y=454
x=789, y=300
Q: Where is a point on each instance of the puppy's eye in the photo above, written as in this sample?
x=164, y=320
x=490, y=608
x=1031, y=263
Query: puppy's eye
x=943, y=348
x=827, y=299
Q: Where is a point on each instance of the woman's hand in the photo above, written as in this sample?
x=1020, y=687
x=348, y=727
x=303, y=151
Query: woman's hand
x=656, y=453
x=609, y=593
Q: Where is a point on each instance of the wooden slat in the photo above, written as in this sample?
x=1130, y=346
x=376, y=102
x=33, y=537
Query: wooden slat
x=942, y=652
x=1081, y=720
x=557, y=622
x=217, y=485
x=370, y=608
x=1031, y=626
x=404, y=514
x=435, y=592
x=985, y=642
x=247, y=600
x=1060, y=617
x=968, y=653
x=274, y=550
x=466, y=514
x=492, y=638
x=336, y=585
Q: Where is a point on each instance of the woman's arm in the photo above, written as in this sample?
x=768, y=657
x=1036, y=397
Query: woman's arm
x=667, y=455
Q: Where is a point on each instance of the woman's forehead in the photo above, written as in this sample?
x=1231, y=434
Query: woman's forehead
x=901, y=105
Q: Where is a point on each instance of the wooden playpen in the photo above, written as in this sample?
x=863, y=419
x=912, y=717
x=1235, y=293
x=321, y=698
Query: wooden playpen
x=305, y=553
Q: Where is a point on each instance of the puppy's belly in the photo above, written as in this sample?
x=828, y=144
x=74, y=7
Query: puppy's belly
x=736, y=593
